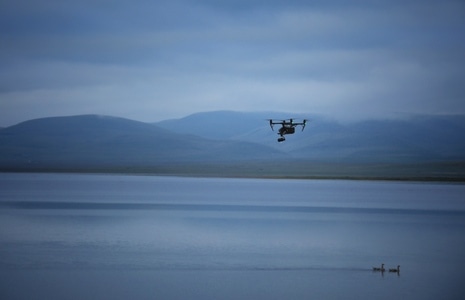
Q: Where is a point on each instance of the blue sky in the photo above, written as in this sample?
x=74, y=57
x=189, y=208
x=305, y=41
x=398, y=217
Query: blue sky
x=154, y=60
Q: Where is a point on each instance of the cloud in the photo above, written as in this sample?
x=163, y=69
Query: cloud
x=150, y=60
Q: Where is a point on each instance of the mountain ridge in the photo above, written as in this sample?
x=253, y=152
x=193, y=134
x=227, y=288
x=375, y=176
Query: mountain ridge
x=245, y=145
x=414, y=139
x=94, y=140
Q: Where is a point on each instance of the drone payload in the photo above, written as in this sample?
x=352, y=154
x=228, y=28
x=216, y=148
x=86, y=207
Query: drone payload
x=287, y=127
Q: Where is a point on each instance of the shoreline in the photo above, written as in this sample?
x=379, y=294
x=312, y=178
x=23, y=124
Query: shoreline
x=220, y=172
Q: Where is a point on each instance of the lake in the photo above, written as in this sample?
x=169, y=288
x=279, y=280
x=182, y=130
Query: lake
x=78, y=236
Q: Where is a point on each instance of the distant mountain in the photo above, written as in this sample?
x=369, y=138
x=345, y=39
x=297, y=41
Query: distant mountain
x=238, y=144
x=417, y=139
x=410, y=140
x=220, y=125
x=103, y=141
x=231, y=125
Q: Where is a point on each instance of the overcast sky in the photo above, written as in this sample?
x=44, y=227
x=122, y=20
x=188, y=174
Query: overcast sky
x=154, y=60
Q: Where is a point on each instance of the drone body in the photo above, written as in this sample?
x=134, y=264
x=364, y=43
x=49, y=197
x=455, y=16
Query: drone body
x=287, y=127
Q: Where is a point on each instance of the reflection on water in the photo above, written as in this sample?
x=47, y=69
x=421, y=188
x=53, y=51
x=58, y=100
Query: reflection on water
x=148, y=237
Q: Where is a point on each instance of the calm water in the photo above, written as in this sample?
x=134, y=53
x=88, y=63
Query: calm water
x=147, y=237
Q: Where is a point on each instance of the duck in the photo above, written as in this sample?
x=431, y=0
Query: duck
x=397, y=270
x=379, y=269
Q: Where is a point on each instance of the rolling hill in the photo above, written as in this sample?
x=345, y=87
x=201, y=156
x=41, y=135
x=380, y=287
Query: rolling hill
x=92, y=141
x=411, y=140
x=229, y=143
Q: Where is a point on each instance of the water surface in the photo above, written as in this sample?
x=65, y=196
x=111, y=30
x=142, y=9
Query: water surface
x=145, y=237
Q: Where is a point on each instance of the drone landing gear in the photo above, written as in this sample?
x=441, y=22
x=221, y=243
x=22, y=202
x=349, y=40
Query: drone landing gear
x=281, y=139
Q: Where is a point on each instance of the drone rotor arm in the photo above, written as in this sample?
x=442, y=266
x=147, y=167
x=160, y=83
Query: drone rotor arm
x=271, y=124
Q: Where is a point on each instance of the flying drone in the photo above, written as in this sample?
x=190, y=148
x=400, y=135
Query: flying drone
x=287, y=127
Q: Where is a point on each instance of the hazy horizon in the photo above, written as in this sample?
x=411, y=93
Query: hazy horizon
x=273, y=114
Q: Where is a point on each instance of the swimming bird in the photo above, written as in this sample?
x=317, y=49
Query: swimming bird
x=379, y=269
x=395, y=270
